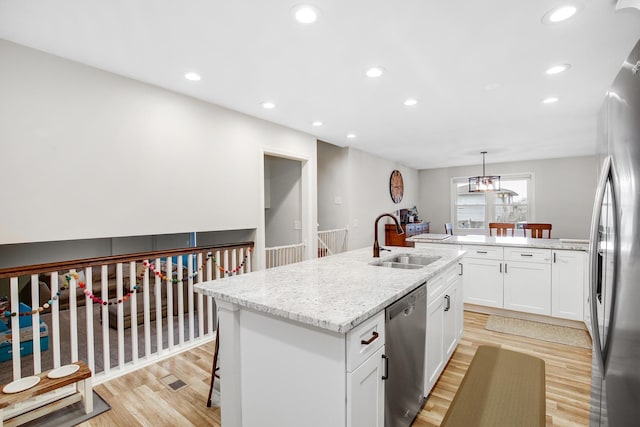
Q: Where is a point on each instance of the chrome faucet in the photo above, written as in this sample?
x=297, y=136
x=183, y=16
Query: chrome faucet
x=376, y=246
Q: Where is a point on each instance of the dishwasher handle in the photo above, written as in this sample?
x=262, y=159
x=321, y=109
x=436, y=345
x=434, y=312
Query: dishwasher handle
x=386, y=367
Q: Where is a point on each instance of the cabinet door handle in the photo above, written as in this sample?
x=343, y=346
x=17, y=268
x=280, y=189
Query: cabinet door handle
x=481, y=252
x=500, y=267
x=386, y=367
x=374, y=336
x=526, y=254
x=554, y=257
x=448, y=306
x=461, y=269
x=505, y=268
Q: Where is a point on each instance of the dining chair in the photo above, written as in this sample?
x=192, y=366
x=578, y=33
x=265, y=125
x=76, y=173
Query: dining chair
x=448, y=229
x=501, y=228
x=537, y=230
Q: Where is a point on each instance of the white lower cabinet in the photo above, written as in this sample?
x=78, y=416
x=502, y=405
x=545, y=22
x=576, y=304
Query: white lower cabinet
x=483, y=282
x=434, y=345
x=444, y=323
x=568, y=278
x=527, y=287
x=365, y=393
x=451, y=331
x=533, y=280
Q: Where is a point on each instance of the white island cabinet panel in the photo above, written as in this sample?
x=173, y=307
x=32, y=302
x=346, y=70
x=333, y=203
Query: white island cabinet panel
x=365, y=393
x=283, y=361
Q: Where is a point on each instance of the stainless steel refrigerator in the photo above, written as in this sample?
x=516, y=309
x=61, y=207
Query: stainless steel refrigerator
x=615, y=255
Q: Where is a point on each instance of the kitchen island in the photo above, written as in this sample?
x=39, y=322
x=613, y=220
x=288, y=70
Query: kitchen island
x=302, y=344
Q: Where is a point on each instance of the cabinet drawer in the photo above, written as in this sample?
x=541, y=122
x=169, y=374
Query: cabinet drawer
x=371, y=332
x=488, y=252
x=527, y=255
x=435, y=288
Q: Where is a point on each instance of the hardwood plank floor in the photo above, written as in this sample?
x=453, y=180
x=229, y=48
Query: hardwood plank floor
x=141, y=398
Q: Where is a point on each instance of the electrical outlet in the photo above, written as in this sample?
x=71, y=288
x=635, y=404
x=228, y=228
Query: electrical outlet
x=297, y=225
x=356, y=222
x=337, y=200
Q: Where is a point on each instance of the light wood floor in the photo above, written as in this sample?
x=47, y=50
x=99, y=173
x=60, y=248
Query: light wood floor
x=141, y=398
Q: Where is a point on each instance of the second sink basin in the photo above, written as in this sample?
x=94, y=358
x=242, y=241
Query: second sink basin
x=398, y=265
x=414, y=259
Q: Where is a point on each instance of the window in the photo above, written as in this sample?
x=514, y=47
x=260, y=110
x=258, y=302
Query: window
x=472, y=212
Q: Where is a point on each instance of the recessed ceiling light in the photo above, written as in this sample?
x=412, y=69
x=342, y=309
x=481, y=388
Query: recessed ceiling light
x=559, y=14
x=491, y=86
x=375, y=72
x=317, y=123
x=410, y=102
x=305, y=14
x=268, y=105
x=550, y=100
x=351, y=135
x=557, y=69
x=194, y=77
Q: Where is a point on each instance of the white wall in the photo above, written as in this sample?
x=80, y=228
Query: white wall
x=564, y=192
x=333, y=188
x=89, y=154
x=361, y=180
x=285, y=199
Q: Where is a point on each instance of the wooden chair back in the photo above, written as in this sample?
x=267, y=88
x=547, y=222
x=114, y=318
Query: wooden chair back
x=537, y=230
x=501, y=228
x=448, y=229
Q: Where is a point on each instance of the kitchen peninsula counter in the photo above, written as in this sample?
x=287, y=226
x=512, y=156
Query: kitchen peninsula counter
x=527, y=242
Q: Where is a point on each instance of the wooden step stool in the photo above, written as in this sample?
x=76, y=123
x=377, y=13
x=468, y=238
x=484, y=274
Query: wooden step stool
x=84, y=392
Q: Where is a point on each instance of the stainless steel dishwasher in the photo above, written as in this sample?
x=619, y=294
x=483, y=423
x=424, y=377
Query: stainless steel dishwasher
x=405, y=329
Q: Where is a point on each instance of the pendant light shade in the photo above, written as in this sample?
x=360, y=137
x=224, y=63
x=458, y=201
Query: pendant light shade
x=478, y=184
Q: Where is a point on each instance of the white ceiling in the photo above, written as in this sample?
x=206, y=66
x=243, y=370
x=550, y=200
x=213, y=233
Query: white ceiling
x=442, y=53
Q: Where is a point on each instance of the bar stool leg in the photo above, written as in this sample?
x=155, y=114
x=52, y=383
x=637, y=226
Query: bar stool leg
x=215, y=365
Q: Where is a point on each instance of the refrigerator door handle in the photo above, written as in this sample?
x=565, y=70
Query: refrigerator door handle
x=594, y=271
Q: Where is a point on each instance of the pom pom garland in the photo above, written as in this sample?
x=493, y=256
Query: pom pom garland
x=145, y=265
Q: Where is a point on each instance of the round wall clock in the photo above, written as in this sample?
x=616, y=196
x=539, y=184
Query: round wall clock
x=396, y=186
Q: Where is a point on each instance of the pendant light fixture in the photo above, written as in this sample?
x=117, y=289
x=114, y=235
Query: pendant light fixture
x=478, y=184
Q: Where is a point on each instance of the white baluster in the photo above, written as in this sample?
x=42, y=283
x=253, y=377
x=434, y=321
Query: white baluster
x=158, y=294
x=147, y=311
x=88, y=305
x=190, y=298
x=210, y=303
x=200, y=297
x=169, y=283
x=55, y=319
x=35, y=323
x=133, y=310
x=180, y=301
x=104, y=310
x=15, y=328
x=120, y=313
x=73, y=316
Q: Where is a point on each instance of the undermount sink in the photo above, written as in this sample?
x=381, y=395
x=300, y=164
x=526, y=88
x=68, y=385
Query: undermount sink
x=408, y=262
x=398, y=265
x=414, y=259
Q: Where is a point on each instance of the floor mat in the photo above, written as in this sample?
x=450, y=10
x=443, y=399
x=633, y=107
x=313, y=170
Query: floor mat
x=538, y=330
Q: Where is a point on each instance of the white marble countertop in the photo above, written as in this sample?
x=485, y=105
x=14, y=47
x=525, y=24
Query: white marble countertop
x=565, y=244
x=336, y=292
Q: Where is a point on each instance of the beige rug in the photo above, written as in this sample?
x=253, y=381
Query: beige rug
x=541, y=331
